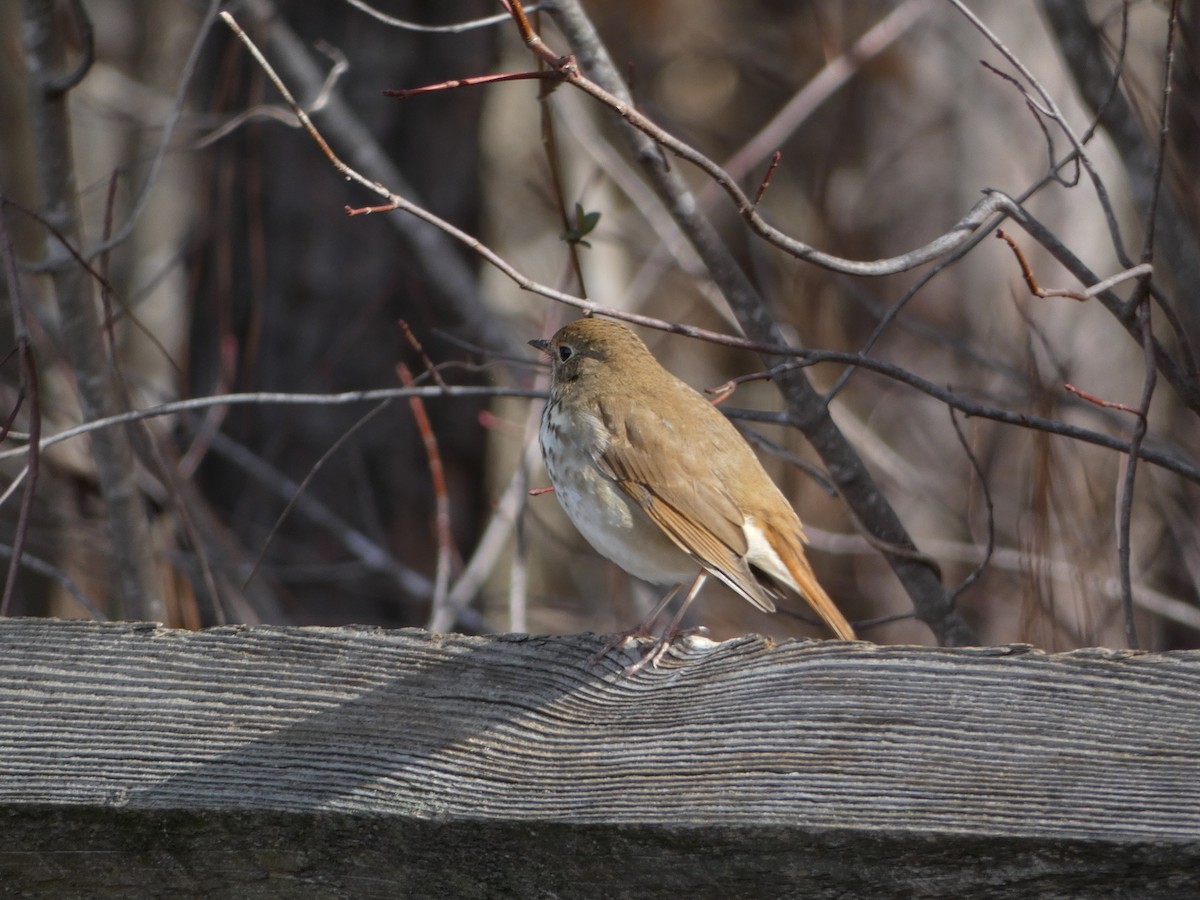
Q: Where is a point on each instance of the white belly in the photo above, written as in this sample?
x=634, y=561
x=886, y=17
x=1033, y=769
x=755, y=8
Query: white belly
x=612, y=523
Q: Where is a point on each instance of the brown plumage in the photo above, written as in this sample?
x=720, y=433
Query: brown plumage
x=659, y=481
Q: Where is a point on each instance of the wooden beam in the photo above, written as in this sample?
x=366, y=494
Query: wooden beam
x=259, y=761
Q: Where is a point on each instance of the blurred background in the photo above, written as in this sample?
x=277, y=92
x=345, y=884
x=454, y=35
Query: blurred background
x=239, y=271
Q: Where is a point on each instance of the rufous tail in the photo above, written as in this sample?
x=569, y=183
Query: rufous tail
x=801, y=570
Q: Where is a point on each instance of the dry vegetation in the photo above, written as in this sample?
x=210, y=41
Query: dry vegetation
x=211, y=255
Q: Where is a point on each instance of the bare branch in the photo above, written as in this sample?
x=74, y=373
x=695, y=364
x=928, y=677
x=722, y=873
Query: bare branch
x=1139, y=271
x=455, y=28
x=1083, y=49
x=347, y=397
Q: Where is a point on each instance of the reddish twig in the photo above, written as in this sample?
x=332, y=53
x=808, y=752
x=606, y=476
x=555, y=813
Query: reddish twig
x=1027, y=273
x=445, y=540
x=723, y=392
x=1144, y=270
x=1107, y=404
x=470, y=81
x=534, y=41
x=368, y=210
x=554, y=167
x=762, y=188
x=425, y=360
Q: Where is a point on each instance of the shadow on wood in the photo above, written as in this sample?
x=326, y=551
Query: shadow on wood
x=354, y=762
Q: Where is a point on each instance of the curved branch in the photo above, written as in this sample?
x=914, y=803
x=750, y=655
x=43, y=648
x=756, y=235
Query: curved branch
x=1159, y=458
x=979, y=218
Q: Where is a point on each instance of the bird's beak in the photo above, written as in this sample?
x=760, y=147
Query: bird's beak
x=541, y=344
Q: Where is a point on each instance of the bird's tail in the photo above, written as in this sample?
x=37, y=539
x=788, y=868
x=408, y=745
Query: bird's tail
x=810, y=589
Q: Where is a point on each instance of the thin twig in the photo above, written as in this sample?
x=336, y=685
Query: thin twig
x=1182, y=380
x=437, y=474
x=371, y=554
x=285, y=116
x=309, y=476
x=1166, y=461
x=766, y=181
x=1052, y=109
x=1040, y=114
x=46, y=570
x=469, y=81
x=28, y=392
x=982, y=565
x=1125, y=506
x=962, y=231
x=142, y=197
x=1096, y=401
x=148, y=449
x=454, y=28
x=397, y=202
x=518, y=578
x=554, y=170
x=534, y=41
x=807, y=358
x=95, y=273
x=430, y=368
x=1164, y=115
x=494, y=538
x=1142, y=270
x=255, y=398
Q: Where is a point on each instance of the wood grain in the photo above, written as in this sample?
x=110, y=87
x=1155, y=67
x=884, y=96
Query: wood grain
x=348, y=760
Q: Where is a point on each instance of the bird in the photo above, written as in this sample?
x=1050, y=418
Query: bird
x=659, y=481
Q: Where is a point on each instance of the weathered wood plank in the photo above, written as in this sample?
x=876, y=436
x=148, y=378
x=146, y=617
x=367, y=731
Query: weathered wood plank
x=359, y=762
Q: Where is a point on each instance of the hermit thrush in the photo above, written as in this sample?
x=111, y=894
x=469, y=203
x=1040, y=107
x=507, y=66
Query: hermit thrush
x=659, y=481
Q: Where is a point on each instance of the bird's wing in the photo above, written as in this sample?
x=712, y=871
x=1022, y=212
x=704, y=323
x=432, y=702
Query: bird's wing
x=676, y=490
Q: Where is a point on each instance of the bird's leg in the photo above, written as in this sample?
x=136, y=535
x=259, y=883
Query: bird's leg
x=661, y=646
x=641, y=628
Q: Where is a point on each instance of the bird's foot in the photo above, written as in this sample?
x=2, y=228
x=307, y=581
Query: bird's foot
x=653, y=656
x=641, y=629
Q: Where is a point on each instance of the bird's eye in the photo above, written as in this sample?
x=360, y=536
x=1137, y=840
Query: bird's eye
x=565, y=352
